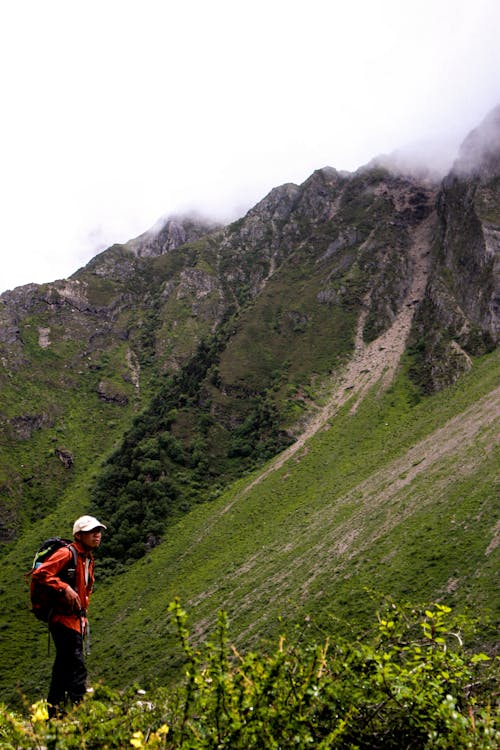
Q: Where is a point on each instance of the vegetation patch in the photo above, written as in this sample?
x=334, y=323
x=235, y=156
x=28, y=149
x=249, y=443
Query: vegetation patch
x=408, y=682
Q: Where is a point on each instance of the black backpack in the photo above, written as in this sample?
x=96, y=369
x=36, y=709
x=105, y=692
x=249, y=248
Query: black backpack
x=43, y=598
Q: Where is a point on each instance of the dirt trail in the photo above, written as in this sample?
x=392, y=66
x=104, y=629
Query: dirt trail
x=374, y=362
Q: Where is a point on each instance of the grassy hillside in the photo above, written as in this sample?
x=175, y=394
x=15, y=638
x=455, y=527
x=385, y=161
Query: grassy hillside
x=398, y=496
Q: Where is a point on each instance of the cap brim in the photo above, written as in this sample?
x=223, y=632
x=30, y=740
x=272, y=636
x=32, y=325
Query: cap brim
x=93, y=528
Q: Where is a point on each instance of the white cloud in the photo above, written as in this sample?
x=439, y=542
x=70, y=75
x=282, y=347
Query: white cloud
x=115, y=113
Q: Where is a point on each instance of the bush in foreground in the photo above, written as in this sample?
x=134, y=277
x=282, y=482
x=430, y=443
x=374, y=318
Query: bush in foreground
x=409, y=683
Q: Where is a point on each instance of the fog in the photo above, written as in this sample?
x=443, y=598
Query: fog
x=118, y=113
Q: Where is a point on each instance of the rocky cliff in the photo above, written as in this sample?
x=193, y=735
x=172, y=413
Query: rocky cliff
x=461, y=311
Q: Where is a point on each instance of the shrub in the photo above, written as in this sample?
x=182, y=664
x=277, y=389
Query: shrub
x=409, y=683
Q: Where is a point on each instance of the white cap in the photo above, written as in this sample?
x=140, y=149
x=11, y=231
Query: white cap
x=86, y=523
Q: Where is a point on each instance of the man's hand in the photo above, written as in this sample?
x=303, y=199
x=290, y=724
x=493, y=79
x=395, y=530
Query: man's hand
x=72, y=598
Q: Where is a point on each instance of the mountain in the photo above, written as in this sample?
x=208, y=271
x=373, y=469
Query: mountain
x=305, y=396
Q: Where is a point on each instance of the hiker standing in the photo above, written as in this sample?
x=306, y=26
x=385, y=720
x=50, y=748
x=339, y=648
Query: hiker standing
x=68, y=619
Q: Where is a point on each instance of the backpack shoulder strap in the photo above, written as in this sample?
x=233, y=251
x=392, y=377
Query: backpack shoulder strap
x=74, y=553
x=68, y=572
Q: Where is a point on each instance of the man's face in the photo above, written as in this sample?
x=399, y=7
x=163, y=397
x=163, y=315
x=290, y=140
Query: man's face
x=90, y=539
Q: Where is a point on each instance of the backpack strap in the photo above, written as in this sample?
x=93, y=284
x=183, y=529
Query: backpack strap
x=75, y=556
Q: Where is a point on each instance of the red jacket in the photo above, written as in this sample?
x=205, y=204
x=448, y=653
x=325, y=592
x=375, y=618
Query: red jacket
x=48, y=574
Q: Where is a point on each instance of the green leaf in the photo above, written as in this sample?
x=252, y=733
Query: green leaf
x=479, y=657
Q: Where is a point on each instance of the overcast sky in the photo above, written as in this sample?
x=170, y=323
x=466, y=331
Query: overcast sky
x=115, y=113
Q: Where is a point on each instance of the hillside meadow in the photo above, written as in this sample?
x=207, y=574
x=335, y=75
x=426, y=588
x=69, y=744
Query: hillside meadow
x=395, y=499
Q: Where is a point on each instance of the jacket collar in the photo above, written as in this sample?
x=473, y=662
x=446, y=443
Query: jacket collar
x=81, y=549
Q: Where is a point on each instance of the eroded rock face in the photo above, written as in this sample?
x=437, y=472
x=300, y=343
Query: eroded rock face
x=470, y=251
x=461, y=313
x=172, y=234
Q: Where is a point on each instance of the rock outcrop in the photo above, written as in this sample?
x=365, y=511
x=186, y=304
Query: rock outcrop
x=169, y=235
x=461, y=315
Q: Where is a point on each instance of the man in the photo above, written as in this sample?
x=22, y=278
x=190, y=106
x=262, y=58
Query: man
x=68, y=621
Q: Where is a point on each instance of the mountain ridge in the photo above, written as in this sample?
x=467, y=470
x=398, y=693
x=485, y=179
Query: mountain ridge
x=164, y=292
x=192, y=367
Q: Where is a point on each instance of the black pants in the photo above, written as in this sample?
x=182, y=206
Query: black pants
x=69, y=673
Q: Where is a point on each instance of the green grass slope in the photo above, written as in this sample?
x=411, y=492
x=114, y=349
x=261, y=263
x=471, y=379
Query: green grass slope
x=398, y=497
